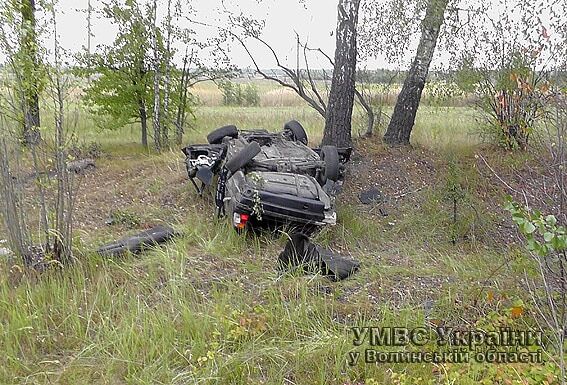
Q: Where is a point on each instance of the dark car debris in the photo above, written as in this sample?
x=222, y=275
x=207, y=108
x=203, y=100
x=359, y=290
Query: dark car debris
x=264, y=177
x=138, y=242
x=300, y=252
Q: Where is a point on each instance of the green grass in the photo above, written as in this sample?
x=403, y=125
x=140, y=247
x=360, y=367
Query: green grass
x=456, y=129
x=210, y=309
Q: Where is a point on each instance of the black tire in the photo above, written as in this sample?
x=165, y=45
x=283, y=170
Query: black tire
x=297, y=130
x=330, y=155
x=216, y=136
x=243, y=157
x=138, y=242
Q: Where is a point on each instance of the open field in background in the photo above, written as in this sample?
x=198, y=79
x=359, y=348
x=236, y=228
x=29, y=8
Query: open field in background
x=274, y=95
x=210, y=307
x=437, y=128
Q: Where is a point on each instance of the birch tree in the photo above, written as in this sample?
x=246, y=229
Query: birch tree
x=338, y=119
x=31, y=71
x=156, y=80
x=403, y=119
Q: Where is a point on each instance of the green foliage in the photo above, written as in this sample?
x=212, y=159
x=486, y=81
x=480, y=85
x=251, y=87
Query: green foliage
x=121, y=78
x=513, y=102
x=544, y=236
x=235, y=94
x=24, y=77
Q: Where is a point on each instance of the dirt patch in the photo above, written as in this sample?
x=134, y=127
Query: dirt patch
x=149, y=190
x=398, y=174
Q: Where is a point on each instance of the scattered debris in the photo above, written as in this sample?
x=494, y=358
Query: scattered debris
x=372, y=195
x=81, y=166
x=301, y=252
x=138, y=242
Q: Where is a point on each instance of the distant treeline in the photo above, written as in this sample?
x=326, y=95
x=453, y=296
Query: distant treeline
x=379, y=76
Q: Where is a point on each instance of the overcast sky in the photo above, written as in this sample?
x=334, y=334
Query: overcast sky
x=313, y=20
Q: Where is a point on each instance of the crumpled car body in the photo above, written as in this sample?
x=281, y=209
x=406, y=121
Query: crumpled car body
x=262, y=177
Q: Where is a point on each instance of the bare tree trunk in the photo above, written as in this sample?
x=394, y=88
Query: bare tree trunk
x=180, y=119
x=369, y=113
x=403, y=119
x=11, y=202
x=63, y=207
x=143, y=121
x=166, y=90
x=341, y=96
x=30, y=69
x=41, y=195
x=89, y=26
x=157, y=101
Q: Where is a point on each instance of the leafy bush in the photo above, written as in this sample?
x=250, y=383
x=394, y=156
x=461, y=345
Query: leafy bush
x=546, y=241
x=235, y=94
x=511, y=99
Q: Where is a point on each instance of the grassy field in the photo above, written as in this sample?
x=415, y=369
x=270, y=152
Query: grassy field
x=210, y=307
x=437, y=128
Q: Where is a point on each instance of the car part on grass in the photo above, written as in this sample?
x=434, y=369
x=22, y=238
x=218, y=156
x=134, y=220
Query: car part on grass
x=268, y=177
x=138, y=242
x=312, y=258
x=370, y=196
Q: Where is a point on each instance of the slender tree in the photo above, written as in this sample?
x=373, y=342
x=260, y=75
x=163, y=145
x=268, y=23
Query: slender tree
x=403, y=119
x=29, y=46
x=157, y=79
x=167, y=78
x=341, y=96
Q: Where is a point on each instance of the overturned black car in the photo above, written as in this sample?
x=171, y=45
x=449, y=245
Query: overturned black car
x=264, y=177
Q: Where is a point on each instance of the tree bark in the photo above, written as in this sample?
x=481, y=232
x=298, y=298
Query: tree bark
x=180, y=120
x=157, y=76
x=143, y=122
x=403, y=119
x=30, y=68
x=166, y=81
x=338, y=117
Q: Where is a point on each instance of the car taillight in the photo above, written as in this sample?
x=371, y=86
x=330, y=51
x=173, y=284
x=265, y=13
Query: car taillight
x=240, y=220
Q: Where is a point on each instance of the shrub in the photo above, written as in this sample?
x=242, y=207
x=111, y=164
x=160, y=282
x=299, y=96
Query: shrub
x=235, y=94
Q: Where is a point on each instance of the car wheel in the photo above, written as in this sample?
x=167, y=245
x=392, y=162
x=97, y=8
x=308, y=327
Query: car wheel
x=243, y=157
x=330, y=155
x=216, y=136
x=297, y=131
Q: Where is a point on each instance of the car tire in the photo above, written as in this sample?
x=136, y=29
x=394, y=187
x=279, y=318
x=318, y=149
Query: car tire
x=243, y=157
x=297, y=131
x=216, y=136
x=138, y=242
x=330, y=155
